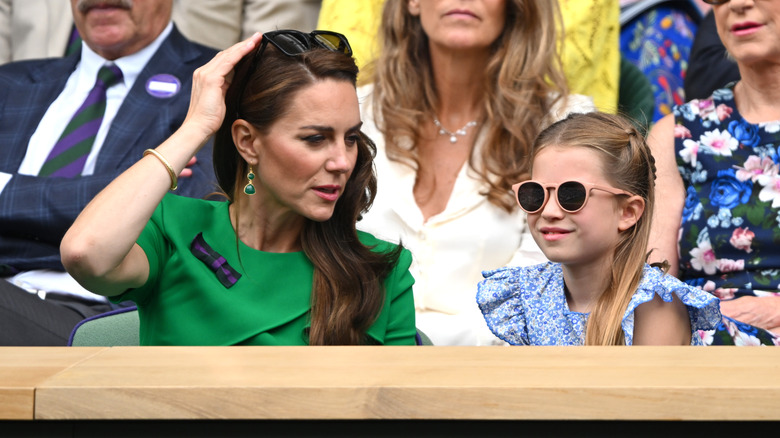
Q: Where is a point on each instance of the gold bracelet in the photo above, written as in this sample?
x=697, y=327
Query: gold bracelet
x=171, y=173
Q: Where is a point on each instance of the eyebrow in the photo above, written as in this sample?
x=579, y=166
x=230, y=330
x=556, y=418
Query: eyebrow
x=330, y=129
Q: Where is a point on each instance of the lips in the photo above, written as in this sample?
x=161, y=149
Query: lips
x=553, y=233
x=462, y=12
x=745, y=27
x=328, y=192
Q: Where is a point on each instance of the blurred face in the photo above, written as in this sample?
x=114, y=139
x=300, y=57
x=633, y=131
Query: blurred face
x=306, y=159
x=750, y=29
x=589, y=236
x=460, y=24
x=117, y=28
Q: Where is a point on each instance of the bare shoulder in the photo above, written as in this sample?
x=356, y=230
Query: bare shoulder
x=658, y=322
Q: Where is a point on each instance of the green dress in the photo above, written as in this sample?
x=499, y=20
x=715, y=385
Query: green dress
x=200, y=292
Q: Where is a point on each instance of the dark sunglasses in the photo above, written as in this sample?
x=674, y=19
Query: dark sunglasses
x=716, y=2
x=571, y=196
x=294, y=42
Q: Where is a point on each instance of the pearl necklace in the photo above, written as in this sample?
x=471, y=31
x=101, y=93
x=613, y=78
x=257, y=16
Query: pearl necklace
x=453, y=135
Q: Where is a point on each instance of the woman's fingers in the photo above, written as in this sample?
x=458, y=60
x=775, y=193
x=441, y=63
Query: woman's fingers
x=210, y=83
x=223, y=63
x=220, y=68
x=234, y=53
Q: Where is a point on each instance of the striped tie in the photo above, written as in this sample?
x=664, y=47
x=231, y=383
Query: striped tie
x=69, y=154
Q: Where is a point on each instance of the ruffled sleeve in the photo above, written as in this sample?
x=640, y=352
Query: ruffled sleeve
x=505, y=294
x=703, y=308
x=498, y=297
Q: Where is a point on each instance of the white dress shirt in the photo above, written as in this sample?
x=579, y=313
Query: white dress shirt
x=451, y=248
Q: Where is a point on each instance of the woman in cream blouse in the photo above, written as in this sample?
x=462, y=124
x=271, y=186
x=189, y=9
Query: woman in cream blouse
x=453, y=124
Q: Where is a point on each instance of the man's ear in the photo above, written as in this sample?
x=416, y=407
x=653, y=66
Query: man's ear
x=631, y=210
x=413, y=6
x=245, y=137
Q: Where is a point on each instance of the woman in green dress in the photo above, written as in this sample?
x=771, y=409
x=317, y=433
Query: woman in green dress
x=279, y=263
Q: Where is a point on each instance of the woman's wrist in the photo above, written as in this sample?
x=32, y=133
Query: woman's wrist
x=168, y=167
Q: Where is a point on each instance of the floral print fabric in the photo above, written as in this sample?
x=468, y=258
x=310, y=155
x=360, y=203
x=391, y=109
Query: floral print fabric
x=659, y=43
x=730, y=231
x=527, y=305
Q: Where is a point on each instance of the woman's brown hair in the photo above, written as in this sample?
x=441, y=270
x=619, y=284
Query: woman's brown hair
x=523, y=82
x=631, y=168
x=348, y=286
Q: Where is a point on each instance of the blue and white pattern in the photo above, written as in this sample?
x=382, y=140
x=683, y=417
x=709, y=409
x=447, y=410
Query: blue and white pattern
x=527, y=305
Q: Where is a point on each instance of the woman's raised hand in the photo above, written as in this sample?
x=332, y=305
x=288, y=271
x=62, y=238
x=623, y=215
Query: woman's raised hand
x=210, y=83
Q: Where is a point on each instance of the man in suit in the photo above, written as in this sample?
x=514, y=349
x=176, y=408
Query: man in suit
x=39, y=302
x=41, y=28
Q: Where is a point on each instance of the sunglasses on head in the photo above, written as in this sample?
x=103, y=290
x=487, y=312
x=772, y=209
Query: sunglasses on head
x=294, y=42
x=571, y=196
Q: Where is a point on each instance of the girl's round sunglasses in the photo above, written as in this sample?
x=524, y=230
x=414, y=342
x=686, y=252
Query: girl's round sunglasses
x=571, y=196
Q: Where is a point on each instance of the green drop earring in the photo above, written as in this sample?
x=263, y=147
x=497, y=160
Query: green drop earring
x=249, y=189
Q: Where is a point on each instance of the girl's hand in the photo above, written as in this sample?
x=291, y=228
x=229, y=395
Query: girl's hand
x=762, y=312
x=210, y=83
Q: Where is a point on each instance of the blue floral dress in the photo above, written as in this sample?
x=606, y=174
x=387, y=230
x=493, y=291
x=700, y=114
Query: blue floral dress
x=730, y=229
x=527, y=305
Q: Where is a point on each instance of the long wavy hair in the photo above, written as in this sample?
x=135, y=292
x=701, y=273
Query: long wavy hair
x=631, y=168
x=347, y=290
x=523, y=81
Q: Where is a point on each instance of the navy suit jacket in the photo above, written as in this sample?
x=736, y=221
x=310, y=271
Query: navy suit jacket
x=36, y=212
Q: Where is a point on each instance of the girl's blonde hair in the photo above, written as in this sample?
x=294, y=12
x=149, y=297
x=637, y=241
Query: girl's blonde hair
x=631, y=168
x=523, y=81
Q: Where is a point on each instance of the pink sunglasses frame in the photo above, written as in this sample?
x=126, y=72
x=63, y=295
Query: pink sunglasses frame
x=588, y=187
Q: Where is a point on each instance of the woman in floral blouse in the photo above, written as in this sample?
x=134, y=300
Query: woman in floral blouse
x=718, y=215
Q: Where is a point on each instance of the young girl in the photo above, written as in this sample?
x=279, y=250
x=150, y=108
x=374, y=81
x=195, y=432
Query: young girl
x=589, y=206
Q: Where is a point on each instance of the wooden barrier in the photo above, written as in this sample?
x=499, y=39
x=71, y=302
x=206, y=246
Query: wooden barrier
x=22, y=369
x=391, y=383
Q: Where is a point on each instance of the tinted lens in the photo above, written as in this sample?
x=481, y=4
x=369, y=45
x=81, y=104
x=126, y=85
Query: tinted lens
x=571, y=195
x=289, y=43
x=530, y=196
x=334, y=42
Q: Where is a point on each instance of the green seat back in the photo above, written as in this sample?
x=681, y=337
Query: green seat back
x=108, y=330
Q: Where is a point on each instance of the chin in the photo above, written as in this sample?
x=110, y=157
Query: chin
x=556, y=256
x=319, y=216
x=554, y=259
x=108, y=36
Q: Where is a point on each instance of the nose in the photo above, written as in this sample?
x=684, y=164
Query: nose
x=340, y=160
x=552, y=210
x=740, y=5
